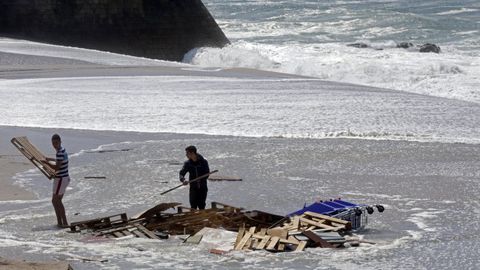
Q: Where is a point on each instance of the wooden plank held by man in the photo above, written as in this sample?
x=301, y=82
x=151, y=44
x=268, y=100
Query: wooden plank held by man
x=34, y=155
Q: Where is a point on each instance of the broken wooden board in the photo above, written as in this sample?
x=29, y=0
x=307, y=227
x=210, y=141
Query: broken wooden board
x=331, y=220
x=317, y=240
x=155, y=210
x=34, y=155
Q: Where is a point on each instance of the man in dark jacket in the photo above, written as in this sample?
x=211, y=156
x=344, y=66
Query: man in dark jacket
x=196, y=166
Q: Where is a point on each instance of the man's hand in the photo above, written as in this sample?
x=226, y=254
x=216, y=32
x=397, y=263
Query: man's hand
x=185, y=182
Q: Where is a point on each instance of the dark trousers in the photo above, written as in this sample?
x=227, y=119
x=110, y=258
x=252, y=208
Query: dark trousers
x=198, y=198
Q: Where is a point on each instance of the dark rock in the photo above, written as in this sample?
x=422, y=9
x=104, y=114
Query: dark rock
x=162, y=29
x=405, y=45
x=428, y=47
x=358, y=45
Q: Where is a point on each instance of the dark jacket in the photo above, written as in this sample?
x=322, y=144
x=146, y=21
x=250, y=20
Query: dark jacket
x=196, y=169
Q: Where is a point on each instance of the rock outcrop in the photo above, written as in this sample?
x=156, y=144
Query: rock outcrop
x=161, y=29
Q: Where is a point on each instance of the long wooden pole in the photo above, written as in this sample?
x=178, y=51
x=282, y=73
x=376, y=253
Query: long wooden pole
x=191, y=181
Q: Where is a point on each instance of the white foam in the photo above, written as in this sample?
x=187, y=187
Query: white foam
x=299, y=108
x=451, y=74
x=457, y=11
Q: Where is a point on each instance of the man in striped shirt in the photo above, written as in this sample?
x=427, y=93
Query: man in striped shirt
x=61, y=180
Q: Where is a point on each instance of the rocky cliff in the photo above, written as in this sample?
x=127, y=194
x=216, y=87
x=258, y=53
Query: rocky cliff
x=162, y=29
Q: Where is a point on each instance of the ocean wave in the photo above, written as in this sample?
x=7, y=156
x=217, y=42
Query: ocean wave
x=452, y=74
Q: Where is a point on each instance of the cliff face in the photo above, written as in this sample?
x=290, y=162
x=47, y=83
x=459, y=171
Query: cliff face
x=162, y=29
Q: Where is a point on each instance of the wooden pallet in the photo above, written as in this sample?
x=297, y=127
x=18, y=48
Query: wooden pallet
x=271, y=240
x=99, y=223
x=132, y=229
x=34, y=155
x=311, y=226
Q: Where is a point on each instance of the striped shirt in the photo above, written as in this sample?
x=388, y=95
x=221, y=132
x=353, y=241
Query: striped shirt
x=62, y=159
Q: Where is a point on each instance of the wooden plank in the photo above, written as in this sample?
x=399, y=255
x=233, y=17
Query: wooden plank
x=107, y=231
x=215, y=205
x=118, y=234
x=244, y=240
x=278, y=232
x=318, y=224
x=348, y=224
x=240, y=234
x=263, y=242
x=317, y=215
x=123, y=217
x=301, y=246
x=194, y=239
x=317, y=240
x=146, y=231
x=290, y=240
x=329, y=223
x=273, y=242
x=139, y=234
x=33, y=155
x=156, y=209
x=296, y=222
x=248, y=244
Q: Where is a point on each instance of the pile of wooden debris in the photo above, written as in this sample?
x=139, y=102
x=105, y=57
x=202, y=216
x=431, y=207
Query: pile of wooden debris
x=257, y=230
x=296, y=233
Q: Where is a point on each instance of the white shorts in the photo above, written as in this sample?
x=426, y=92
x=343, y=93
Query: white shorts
x=60, y=185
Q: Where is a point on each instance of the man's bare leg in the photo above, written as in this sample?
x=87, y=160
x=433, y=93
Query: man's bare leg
x=59, y=211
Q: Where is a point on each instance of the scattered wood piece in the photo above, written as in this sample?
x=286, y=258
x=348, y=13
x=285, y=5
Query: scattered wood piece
x=263, y=242
x=155, y=210
x=348, y=224
x=273, y=242
x=317, y=239
x=194, y=239
x=95, y=177
x=301, y=246
x=244, y=240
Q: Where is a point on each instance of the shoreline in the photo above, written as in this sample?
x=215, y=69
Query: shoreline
x=13, y=162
